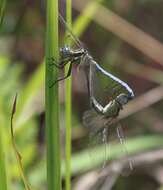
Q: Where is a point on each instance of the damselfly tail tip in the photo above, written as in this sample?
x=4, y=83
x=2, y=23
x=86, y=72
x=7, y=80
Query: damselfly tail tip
x=131, y=95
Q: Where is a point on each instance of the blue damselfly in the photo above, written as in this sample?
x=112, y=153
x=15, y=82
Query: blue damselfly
x=108, y=94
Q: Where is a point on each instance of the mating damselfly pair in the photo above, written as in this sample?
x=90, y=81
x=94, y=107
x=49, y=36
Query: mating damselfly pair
x=107, y=93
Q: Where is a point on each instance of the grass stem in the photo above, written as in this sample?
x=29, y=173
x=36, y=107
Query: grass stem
x=3, y=178
x=68, y=108
x=51, y=99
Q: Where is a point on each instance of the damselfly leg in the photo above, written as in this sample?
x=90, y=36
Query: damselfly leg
x=70, y=58
x=63, y=78
x=60, y=65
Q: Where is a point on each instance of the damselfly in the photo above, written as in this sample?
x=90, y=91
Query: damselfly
x=83, y=59
x=108, y=94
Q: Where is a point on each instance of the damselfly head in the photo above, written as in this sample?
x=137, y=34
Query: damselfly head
x=84, y=51
x=65, y=51
x=122, y=99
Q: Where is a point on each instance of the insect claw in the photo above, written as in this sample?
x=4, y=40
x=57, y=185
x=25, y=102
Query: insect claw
x=51, y=64
x=50, y=86
x=50, y=58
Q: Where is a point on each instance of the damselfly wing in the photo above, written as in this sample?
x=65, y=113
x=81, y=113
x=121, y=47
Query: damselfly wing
x=98, y=135
x=125, y=159
x=101, y=130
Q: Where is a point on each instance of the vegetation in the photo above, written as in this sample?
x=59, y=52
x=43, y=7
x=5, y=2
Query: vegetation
x=125, y=38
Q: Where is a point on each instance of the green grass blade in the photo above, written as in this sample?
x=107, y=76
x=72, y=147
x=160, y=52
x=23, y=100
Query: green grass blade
x=3, y=179
x=85, y=18
x=2, y=10
x=68, y=108
x=83, y=162
x=83, y=24
x=18, y=155
x=51, y=99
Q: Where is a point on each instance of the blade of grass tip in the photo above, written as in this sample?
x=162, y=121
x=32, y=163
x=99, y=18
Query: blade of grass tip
x=68, y=107
x=51, y=99
x=18, y=155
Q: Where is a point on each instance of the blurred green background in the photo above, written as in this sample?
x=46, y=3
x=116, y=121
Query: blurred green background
x=125, y=38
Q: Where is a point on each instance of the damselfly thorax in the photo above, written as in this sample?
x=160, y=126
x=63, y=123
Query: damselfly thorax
x=69, y=54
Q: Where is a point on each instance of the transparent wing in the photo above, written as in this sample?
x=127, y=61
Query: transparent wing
x=100, y=127
x=128, y=164
x=105, y=141
x=69, y=32
x=104, y=86
x=93, y=121
x=98, y=134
